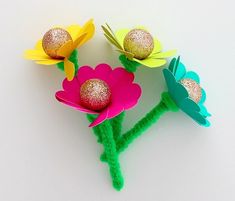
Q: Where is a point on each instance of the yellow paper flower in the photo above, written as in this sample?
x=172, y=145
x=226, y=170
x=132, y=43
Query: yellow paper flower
x=155, y=59
x=79, y=36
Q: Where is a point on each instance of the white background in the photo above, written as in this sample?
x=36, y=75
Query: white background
x=47, y=151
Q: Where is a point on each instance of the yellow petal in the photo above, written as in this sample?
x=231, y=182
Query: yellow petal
x=163, y=54
x=121, y=34
x=69, y=69
x=35, y=55
x=74, y=31
x=66, y=49
x=38, y=45
x=88, y=28
x=49, y=61
x=157, y=46
x=151, y=62
x=78, y=41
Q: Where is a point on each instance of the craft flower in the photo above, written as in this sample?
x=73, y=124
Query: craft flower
x=137, y=47
x=58, y=44
x=101, y=91
x=186, y=92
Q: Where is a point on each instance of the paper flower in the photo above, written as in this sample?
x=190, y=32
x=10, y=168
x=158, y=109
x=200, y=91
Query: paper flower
x=58, y=44
x=137, y=47
x=90, y=85
x=186, y=92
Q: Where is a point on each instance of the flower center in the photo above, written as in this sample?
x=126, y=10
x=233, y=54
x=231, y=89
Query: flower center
x=193, y=88
x=53, y=40
x=95, y=94
x=139, y=42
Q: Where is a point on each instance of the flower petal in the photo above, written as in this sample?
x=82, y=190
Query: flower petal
x=163, y=54
x=203, y=111
x=157, y=46
x=69, y=69
x=74, y=31
x=151, y=62
x=121, y=34
x=192, y=75
x=49, y=61
x=66, y=49
x=180, y=71
x=85, y=73
x=203, y=98
x=63, y=97
x=102, y=117
x=88, y=28
x=126, y=96
x=38, y=45
x=71, y=86
x=102, y=71
x=35, y=55
x=79, y=40
x=196, y=116
x=176, y=90
x=189, y=104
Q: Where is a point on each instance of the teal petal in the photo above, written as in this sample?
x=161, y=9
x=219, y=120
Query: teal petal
x=207, y=123
x=192, y=75
x=187, y=104
x=172, y=65
x=203, y=98
x=176, y=90
x=203, y=111
x=170, y=79
x=180, y=71
x=196, y=116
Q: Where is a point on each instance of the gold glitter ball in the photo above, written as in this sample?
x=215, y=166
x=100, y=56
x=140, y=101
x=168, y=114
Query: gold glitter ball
x=139, y=42
x=53, y=40
x=95, y=94
x=193, y=88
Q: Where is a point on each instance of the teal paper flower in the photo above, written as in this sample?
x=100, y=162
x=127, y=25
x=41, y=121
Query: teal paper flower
x=174, y=76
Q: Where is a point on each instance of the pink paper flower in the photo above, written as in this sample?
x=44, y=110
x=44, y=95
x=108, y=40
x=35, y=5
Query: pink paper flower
x=124, y=93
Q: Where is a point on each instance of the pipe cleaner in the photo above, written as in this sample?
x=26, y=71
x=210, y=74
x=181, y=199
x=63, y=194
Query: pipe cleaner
x=105, y=93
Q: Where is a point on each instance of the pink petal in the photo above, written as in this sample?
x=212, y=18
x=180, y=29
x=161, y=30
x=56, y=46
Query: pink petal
x=102, y=117
x=120, y=76
x=72, y=85
x=85, y=73
x=127, y=96
x=103, y=71
x=64, y=97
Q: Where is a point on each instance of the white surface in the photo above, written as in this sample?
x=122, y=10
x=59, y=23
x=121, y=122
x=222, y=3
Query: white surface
x=48, y=153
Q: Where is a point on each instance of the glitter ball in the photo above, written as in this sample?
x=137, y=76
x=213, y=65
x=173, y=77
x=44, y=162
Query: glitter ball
x=95, y=94
x=193, y=88
x=139, y=42
x=53, y=40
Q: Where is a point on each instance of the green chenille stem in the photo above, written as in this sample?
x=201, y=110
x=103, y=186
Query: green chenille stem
x=166, y=104
x=109, y=144
x=91, y=118
x=130, y=66
x=116, y=123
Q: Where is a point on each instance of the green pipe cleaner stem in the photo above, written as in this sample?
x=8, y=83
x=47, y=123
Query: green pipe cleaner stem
x=106, y=132
x=116, y=123
x=130, y=66
x=166, y=104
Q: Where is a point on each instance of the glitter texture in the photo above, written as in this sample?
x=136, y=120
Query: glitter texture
x=95, y=94
x=53, y=40
x=139, y=42
x=193, y=88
